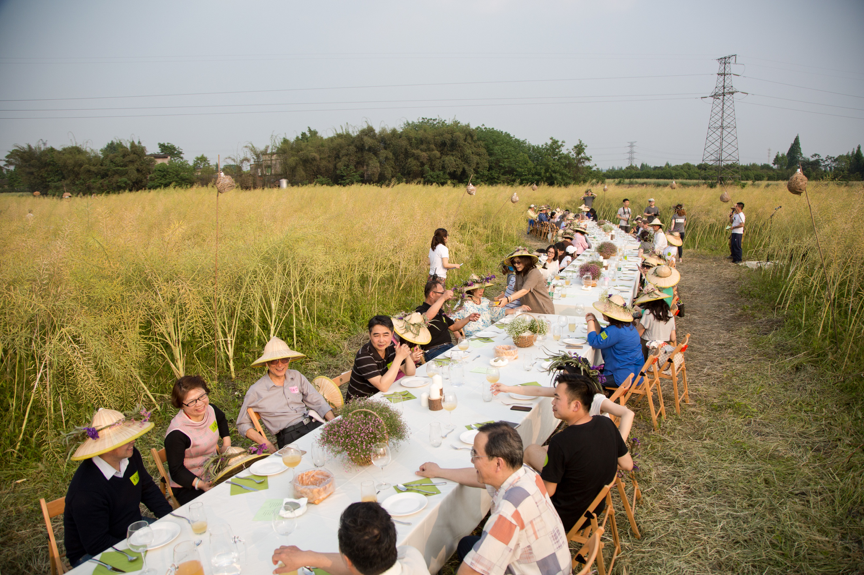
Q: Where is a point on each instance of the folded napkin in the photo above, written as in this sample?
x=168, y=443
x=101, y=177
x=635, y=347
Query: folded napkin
x=531, y=383
x=484, y=339
x=265, y=512
x=479, y=423
x=404, y=395
x=423, y=484
x=479, y=370
x=119, y=561
x=245, y=481
x=478, y=344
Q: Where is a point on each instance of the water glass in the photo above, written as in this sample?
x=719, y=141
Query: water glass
x=486, y=392
x=457, y=374
x=527, y=359
x=381, y=457
x=197, y=517
x=283, y=519
x=319, y=455
x=187, y=560
x=227, y=551
x=445, y=372
x=367, y=492
x=435, y=434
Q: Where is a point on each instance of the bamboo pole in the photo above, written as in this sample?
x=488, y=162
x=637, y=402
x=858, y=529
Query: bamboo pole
x=824, y=267
x=216, y=284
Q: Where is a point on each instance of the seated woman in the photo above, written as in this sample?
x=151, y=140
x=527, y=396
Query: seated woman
x=568, y=251
x=192, y=437
x=664, y=278
x=619, y=342
x=530, y=284
x=475, y=303
x=549, y=269
x=580, y=239
x=657, y=323
x=379, y=360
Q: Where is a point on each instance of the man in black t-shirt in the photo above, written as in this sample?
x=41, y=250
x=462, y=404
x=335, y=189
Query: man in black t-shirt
x=439, y=325
x=584, y=457
x=651, y=211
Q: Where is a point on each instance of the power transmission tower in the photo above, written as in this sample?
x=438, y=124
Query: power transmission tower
x=721, y=143
x=631, y=155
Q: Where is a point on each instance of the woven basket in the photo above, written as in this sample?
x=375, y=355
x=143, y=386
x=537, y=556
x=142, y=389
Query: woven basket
x=724, y=197
x=797, y=183
x=224, y=183
x=524, y=340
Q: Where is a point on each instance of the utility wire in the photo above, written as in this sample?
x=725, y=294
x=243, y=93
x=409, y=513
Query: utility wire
x=797, y=110
x=803, y=87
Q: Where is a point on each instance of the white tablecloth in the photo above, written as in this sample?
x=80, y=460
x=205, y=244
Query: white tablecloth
x=435, y=530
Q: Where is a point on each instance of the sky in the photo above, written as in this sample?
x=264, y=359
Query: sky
x=212, y=76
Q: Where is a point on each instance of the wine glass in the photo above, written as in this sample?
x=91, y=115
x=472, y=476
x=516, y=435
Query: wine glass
x=493, y=374
x=464, y=344
x=139, y=536
x=433, y=368
x=283, y=519
x=291, y=457
x=449, y=403
x=556, y=332
x=381, y=456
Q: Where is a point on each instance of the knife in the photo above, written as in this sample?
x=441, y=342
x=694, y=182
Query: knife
x=243, y=486
x=106, y=566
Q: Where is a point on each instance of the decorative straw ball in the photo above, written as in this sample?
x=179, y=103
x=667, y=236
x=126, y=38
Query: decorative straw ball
x=673, y=185
x=534, y=187
x=797, y=184
x=724, y=197
x=36, y=194
x=514, y=198
x=66, y=195
x=224, y=183
x=471, y=189
x=605, y=187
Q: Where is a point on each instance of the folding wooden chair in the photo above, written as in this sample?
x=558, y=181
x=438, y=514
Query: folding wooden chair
x=670, y=370
x=594, y=544
x=643, y=386
x=585, y=529
x=629, y=509
x=50, y=510
x=256, y=421
x=164, y=481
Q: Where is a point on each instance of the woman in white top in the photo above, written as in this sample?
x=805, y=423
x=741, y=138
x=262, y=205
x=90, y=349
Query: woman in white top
x=550, y=267
x=439, y=256
x=657, y=323
x=660, y=242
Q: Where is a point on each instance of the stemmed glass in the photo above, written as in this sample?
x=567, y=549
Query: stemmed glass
x=139, y=536
x=380, y=458
x=464, y=344
x=283, y=519
x=291, y=457
x=562, y=320
x=449, y=403
x=556, y=332
x=492, y=374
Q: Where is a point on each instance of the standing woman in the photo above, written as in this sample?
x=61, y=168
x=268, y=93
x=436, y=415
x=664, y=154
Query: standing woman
x=192, y=437
x=549, y=269
x=530, y=285
x=439, y=256
x=379, y=360
x=679, y=222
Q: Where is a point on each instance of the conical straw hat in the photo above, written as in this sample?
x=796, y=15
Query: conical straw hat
x=663, y=276
x=235, y=459
x=650, y=293
x=112, y=430
x=655, y=222
x=654, y=260
x=412, y=328
x=614, y=307
x=276, y=349
x=329, y=390
x=674, y=238
x=521, y=252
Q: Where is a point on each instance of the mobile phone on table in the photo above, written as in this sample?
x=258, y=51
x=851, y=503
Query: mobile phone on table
x=520, y=408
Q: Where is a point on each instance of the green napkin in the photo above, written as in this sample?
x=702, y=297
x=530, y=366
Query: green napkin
x=443, y=360
x=422, y=484
x=479, y=370
x=405, y=395
x=533, y=383
x=476, y=344
x=484, y=339
x=479, y=423
x=119, y=561
x=265, y=513
x=245, y=481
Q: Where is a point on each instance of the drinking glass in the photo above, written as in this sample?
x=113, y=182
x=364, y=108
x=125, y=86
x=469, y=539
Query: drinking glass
x=433, y=368
x=449, y=403
x=492, y=374
x=380, y=458
x=486, y=393
x=435, y=434
x=367, y=491
x=197, y=517
x=562, y=320
x=527, y=359
x=139, y=536
x=283, y=519
x=291, y=457
x=187, y=561
x=457, y=374
x=567, y=280
x=396, y=402
x=445, y=373
x=556, y=332
x=464, y=344
x=586, y=280
x=319, y=455
x=227, y=551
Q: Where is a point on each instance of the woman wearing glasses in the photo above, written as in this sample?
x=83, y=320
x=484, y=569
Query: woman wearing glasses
x=192, y=437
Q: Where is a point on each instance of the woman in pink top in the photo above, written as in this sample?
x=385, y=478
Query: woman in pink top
x=580, y=239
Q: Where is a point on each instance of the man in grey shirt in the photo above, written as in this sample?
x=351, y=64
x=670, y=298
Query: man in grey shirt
x=588, y=198
x=651, y=211
x=282, y=399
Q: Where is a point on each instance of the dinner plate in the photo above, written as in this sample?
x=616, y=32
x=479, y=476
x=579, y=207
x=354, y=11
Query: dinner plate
x=485, y=334
x=414, y=381
x=404, y=504
x=164, y=532
x=468, y=436
x=574, y=341
x=268, y=466
x=517, y=396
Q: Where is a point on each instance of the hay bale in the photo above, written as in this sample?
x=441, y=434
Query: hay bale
x=225, y=183
x=471, y=189
x=673, y=185
x=724, y=197
x=514, y=198
x=797, y=184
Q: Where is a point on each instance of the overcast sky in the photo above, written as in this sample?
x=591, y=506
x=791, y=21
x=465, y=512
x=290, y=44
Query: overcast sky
x=211, y=76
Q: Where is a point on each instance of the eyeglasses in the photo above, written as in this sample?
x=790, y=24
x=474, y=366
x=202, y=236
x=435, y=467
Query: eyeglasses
x=438, y=292
x=280, y=360
x=475, y=456
x=202, y=398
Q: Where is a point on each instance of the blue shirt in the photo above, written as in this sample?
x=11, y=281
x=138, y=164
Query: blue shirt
x=622, y=351
x=543, y=217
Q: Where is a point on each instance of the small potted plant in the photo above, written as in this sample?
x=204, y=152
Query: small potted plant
x=593, y=268
x=524, y=328
x=363, y=423
x=606, y=250
x=608, y=228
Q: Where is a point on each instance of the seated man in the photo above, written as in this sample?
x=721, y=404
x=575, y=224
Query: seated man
x=108, y=487
x=439, y=324
x=523, y=534
x=282, y=398
x=367, y=546
x=581, y=459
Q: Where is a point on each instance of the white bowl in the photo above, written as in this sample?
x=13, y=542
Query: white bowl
x=498, y=361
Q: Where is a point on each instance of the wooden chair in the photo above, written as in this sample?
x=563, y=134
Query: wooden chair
x=50, y=510
x=670, y=371
x=329, y=389
x=256, y=421
x=643, y=385
x=160, y=458
x=585, y=529
x=594, y=544
x=629, y=508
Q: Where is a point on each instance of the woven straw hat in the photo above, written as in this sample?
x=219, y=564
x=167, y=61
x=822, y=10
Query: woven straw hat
x=655, y=222
x=614, y=307
x=477, y=282
x=650, y=293
x=412, y=328
x=568, y=235
x=584, y=208
x=114, y=430
x=674, y=238
x=521, y=252
x=237, y=459
x=663, y=276
x=581, y=228
x=276, y=349
x=653, y=260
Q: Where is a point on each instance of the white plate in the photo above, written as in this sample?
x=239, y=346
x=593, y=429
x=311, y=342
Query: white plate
x=164, y=532
x=517, y=396
x=485, y=334
x=404, y=504
x=268, y=466
x=574, y=341
x=414, y=381
x=467, y=437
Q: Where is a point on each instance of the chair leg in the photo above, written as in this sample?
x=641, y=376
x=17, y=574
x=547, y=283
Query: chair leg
x=674, y=379
x=662, y=410
x=686, y=394
x=627, y=509
x=649, y=395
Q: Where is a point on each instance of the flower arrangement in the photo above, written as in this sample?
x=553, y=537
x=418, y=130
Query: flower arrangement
x=138, y=414
x=607, y=250
x=413, y=327
x=526, y=324
x=356, y=431
x=564, y=362
x=608, y=228
x=461, y=292
x=593, y=267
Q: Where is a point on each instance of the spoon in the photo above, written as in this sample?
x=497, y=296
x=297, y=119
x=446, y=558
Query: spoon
x=250, y=478
x=189, y=521
x=465, y=448
x=128, y=557
x=403, y=489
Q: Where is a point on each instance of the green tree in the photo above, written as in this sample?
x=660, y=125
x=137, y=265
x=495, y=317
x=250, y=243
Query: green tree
x=794, y=155
x=509, y=161
x=171, y=150
x=176, y=173
x=200, y=162
x=125, y=166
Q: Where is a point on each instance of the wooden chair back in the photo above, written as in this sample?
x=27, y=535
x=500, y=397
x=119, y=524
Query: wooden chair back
x=256, y=421
x=659, y=373
x=50, y=510
x=160, y=458
x=582, y=532
x=593, y=544
x=643, y=385
x=343, y=378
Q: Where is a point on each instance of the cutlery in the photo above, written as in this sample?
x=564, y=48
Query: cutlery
x=250, y=478
x=128, y=557
x=476, y=357
x=464, y=448
x=433, y=483
x=189, y=521
x=448, y=433
x=106, y=566
x=404, y=488
x=243, y=486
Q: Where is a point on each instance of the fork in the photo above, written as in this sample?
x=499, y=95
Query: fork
x=128, y=557
x=250, y=478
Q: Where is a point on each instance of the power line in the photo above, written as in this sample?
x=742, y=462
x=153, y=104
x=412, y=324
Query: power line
x=803, y=87
x=745, y=102
x=806, y=102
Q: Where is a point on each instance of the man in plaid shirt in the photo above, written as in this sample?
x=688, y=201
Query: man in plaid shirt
x=524, y=535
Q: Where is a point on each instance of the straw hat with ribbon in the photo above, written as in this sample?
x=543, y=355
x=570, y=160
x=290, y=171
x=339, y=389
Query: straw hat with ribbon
x=663, y=276
x=653, y=260
x=614, y=307
x=674, y=238
x=581, y=228
x=276, y=349
x=412, y=327
x=521, y=252
x=476, y=282
x=223, y=466
x=650, y=293
x=655, y=222
x=108, y=430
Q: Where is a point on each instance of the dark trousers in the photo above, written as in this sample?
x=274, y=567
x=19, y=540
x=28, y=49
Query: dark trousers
x=735, y=248
x=434, y=352
x=466, y=544
x=681, y=247
x=625, y=229
x=292, y=433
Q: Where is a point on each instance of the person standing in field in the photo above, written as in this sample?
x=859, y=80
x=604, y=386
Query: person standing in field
x=624, y=216
x=651, y=211
x=439, y=256
x=588, y=198
x=737, y=235
x=679, y=221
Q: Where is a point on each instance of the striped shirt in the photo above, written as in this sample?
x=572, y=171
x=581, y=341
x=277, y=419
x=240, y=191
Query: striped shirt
x=367, y=365
x=524, y=535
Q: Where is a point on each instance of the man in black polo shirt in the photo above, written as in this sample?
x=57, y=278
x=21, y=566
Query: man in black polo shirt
x=440, y=325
